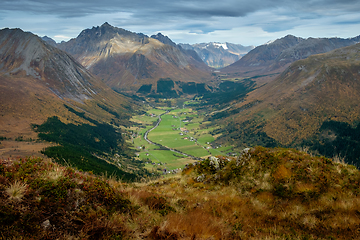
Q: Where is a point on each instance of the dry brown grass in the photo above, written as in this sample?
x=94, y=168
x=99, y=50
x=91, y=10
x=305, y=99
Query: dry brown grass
x=179, y=207
x=282, y=173
x=198, y=222
x=11, y=148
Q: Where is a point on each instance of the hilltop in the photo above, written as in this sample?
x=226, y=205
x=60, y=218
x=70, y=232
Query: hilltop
x=262, y=194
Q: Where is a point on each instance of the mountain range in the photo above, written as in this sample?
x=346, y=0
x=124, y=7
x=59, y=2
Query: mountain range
x=309, y=87
x=218, y=55
x=125, y=61
x=273, y=57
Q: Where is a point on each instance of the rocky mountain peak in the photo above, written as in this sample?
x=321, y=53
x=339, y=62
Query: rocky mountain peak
x=292, y=37
x=106, y=24
x=49, y=40
x=164, y=39
x=282, y=43
x=103, y=40
x=106, y=32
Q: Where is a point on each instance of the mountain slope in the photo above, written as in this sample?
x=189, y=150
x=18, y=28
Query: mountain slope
x=296, y=104
x=218, y=55
x=126, y=60
x=275, y=56
x=38, y=80
x=23, y=54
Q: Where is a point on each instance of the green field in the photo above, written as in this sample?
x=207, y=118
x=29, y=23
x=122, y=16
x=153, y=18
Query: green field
x=180, y=129
x=168, y=133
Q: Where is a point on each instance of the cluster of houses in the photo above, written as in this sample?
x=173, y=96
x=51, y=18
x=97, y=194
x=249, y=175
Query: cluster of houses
x=183, y=131
x=191, y=139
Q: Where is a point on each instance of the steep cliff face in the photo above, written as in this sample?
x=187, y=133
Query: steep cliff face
x=126, y=60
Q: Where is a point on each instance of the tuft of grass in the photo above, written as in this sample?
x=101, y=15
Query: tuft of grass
x=16, y=190
x=339, y=159
x=55, y=174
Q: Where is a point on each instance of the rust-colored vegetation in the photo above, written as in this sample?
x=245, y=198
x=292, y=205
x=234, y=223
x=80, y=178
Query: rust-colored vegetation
x=263, y=194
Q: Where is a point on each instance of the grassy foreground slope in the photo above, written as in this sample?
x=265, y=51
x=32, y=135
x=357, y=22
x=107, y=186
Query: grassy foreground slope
x=264, y=194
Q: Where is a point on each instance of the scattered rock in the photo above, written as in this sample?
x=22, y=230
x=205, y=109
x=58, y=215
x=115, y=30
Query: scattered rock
x=46, y=224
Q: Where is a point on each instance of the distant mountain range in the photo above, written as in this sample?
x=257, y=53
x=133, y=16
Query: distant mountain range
x=133, y=62
x=275, y=56
x=218, y=55
x=126, y=61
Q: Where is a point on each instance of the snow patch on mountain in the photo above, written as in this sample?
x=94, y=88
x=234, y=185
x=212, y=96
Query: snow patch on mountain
x=223, y=45
x=216, y=45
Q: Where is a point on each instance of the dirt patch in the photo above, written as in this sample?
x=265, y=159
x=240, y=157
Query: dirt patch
x=11, y=148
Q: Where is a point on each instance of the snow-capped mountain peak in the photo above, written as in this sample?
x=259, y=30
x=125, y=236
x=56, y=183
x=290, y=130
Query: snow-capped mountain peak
x=218, y=55
x=218, y=45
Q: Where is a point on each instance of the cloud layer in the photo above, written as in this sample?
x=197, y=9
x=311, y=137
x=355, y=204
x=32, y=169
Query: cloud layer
x=188, y=20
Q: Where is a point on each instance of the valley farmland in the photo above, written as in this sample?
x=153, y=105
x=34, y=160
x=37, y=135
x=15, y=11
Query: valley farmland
x=175, y=137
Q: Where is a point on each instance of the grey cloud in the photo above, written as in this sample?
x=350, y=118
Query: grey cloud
x=277, y=27
x=202, y=28
x=192, y=16
x=355, y=21
x=180, y=8
x=70, y=8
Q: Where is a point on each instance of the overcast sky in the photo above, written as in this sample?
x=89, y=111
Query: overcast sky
x=246, y=22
